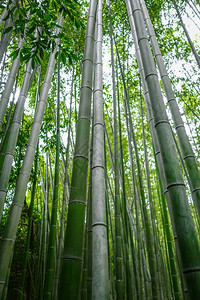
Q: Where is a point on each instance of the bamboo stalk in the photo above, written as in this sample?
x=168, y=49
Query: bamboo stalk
x=9, y=235
x=180, y=214
x=71, y=269
x=184, y=142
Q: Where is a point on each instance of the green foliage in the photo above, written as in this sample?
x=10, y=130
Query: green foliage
x=36, y=21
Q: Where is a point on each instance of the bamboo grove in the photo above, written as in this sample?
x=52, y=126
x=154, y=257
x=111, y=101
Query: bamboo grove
x=99, y=150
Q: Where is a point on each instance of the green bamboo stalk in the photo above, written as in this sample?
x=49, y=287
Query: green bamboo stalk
x=147, y=224
x=139, y=246
x=26, y=257
x=129, y=290
x=5, y=37
x=89, y=226
x=134, y=263
x=43, y=237
x=13, y=136
x=9, y=84
x=150, y=199
x=187, y=34
x=9, y=235
x=84, y=272
x=155, y=142
x=118, y=226
x=8, y=123
x=71, y=269
x=148, y=234
x=184, y=142
x=65, y=193
x=86, y=289
x=179, y=208
x=3, y=15
x=170, y=243
x=3, y=69
x=51, y=251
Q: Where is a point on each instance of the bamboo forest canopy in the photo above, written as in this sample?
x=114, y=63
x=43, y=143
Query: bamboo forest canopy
x=99, y=149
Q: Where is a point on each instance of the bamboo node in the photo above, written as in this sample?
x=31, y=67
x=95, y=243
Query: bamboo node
x=191, y=270
x=98, y=166
x=89, y=279
x=86, y=86
x=171, y=99
x=97, y=90
x=181, y=125
x=100, y=224
x=89, y=60
x=99, y=123
x=175, y=184
x=8, y=239
x=150, y=118
x=157, y=152
x=17, y=204
x=161, y=121
x=134, y=10
x=89, y=36
x=81, y=156
x=77, y=201
x=83, y=118
x=195, y=190
x=92, y=16
x=73, y=258
x=32, y=145
x=142, y=38
x=187, y=156
x=151, y=74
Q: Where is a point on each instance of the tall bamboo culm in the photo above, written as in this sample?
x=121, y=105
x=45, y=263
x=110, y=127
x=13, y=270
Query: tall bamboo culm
x=72, y=258
x=9, y=235
x=184, y=142
x=119, y=284
x=6, y=159
x=179, y=207
x=187, y=33
x=157, y=153
x=51, y=251
x=100, y=273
